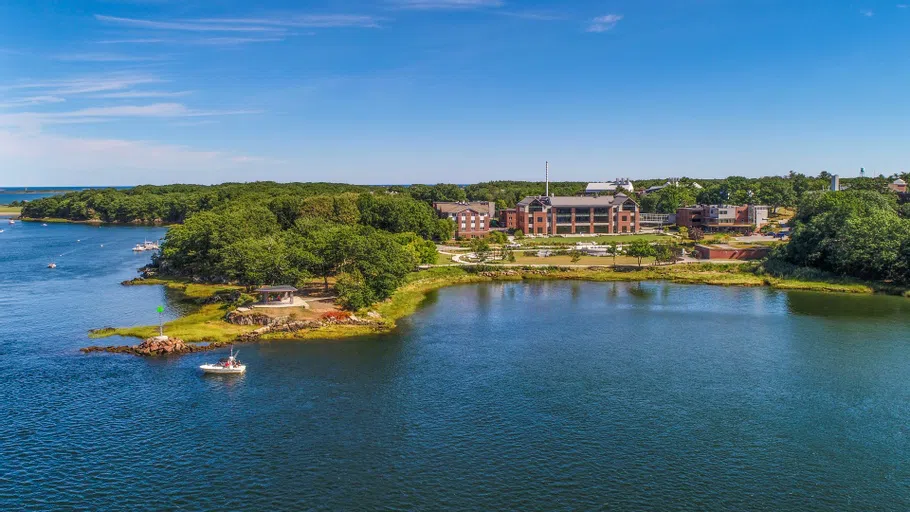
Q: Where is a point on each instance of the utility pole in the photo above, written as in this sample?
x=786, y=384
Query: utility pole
x=548, y=180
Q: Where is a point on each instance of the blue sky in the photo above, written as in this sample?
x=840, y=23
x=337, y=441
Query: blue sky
x=123, y=92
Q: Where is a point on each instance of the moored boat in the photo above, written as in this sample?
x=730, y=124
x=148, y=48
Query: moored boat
x=146, y=246
x=51, y=265
x=229, y=365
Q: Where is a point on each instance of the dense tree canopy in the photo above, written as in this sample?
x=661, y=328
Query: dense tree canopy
x=668, y=199
x=174, y=203
x=854, y=233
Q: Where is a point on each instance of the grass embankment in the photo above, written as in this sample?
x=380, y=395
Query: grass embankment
x=207, y=324
x=10, y=210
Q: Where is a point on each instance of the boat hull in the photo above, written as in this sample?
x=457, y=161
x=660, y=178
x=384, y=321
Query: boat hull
x=221, y=370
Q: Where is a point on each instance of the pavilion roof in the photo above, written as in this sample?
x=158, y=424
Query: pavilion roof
x=276, y=289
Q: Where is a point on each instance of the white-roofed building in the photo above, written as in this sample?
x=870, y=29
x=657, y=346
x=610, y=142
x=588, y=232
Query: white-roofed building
x=609, y=187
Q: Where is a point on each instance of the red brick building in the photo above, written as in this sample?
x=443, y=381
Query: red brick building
x=472, y=220
x=508, y=218
x=561, y=215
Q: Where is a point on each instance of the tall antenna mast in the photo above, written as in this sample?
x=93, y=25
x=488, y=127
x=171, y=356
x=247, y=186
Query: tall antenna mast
x=548, y=179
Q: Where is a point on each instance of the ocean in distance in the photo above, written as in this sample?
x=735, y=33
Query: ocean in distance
x=10, y=194
x=506, y=396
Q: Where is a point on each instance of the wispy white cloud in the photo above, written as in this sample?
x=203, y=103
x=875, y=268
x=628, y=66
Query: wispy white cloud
x=303, y=21
x=106, y=57
x=867, y=13
x=902, y=6
x=192, y=26
x=34, y=120
x=202, y=41
x=445, y=4
x=604, y=23
x=31, y=100
x=142, y=94
x=82, y=85
x=232, y=41
x=261, y=25
x=137, y=40
x=535, y=15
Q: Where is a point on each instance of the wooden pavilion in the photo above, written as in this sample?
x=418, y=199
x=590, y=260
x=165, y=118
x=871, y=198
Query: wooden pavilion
x=275, y=295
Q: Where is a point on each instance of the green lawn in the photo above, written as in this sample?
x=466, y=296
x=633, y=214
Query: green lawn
x=444, y=259
x=603, y=239
x=10, y=210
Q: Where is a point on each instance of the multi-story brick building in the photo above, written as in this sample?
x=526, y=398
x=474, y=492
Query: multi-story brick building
x=472, y=220
x=561, y=215
x=722, y=217
x=508, y=218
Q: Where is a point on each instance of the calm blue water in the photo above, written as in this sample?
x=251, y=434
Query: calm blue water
x=542, y=396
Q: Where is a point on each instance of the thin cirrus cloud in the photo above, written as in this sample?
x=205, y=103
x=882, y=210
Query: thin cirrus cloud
x=34, y=120
x=202, y=41
x=303, y=21
x=81, y=85
x=31, y=100
x=445, y=4
x=106, y=57
x=192, y=26
x=263, y=25
x=142, y=94
x=534, y=15
x=604, y=23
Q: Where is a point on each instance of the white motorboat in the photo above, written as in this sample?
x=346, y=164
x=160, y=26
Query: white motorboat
x=227, y=366
x=51, y=265
x=146, y=246
x=11, y=221
x=45, y=225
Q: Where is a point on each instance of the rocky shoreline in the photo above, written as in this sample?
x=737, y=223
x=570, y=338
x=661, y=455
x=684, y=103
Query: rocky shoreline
x=155, y=346
x=166, y=346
